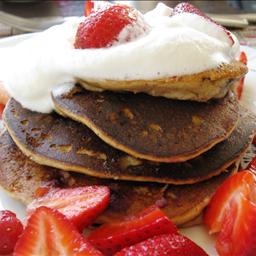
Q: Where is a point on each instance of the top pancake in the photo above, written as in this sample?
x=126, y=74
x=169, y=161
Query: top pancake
x=52, y=140
x=152, y=128
x=203, y=86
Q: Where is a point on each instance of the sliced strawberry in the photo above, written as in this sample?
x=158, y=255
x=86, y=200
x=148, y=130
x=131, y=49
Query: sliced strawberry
x=252, y=165
x=240, y=86
x=232, y=214
x=10, y=230
x=80, y=205
x=189, y=8
x=166, y=244
x=88, y=7
x=103, y=26
x=238, y=236
x=48, y=232
x=112, y=237
x=1, y=110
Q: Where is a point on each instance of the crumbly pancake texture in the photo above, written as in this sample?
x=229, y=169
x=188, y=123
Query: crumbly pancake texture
x=62, y=143
x=203, y=86
x=22, y=177
x=152, y=128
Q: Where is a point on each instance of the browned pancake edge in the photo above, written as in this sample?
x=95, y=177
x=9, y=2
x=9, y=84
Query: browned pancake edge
x=62, y=143
x=152, y=128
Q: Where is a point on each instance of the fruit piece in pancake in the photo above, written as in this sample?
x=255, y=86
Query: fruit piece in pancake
x=80, y=150
x=152, y=128
x=22, y=178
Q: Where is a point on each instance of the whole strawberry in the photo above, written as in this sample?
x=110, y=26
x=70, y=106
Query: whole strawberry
x=103, y=27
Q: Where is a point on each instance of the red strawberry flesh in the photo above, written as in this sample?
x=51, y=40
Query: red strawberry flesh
x=10, y=230
x=232, y=214
x=102, y=27
x=80, y=205
x=48, y=232
x=166, y=244
x=112, y=237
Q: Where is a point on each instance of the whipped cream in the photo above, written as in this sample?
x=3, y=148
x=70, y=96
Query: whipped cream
x=172, y=46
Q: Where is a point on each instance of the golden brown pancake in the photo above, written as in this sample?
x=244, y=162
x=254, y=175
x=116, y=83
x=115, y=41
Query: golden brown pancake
x=22, y=177
x=62, y=143
x=203, y=86
x=152, y=128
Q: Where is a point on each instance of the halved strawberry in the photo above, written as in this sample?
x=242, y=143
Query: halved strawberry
x=112, y=237
x=10, y=230
x=189, y=8
x=80, y=205
x=103, y=26
x=232, y=214
x=48, y=232
x=166, y=244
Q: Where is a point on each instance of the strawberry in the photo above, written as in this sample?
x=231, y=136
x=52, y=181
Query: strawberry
x=103, y=26
x=240, y=86
x=88, y=7
x=112, y=237
x=252, y=165
x=1, y=110
x=189, y=8
x=80, y=205
x=166, y=244
x=48, y=232
x=10, y=230
x=232, y=214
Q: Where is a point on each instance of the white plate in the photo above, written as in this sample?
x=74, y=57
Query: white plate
x=198, y=233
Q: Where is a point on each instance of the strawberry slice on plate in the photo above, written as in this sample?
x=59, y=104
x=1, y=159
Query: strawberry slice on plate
x=80, y=205
x=48, y=232
x=112, y=237
x=232, y=214
x=166, y=244
x=10, y=230
x=189, y=8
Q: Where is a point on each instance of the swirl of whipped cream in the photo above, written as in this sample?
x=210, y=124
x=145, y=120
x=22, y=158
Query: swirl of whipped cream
x=172, y=46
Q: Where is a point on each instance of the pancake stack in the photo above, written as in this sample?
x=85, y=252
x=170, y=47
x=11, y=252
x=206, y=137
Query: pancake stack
x=148, y=150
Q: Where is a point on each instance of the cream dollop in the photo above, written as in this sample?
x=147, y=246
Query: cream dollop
x=174, y=45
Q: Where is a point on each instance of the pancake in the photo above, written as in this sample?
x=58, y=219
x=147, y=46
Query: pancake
x=52, y=140
x=203, y=86
x=22, y=178
x=152, y=128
